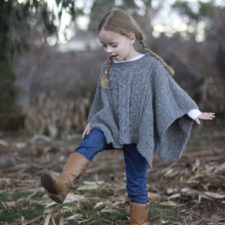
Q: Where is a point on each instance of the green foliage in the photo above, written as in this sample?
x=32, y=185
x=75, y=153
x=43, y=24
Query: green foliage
x=7, y=89
x=206, y=12
x=205, y=8
x=184, y=8
x=20, y=211
x=166, y=213
x=18, y=21
x=21, y=207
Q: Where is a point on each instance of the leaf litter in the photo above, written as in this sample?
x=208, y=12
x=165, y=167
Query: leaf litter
x=190, y=191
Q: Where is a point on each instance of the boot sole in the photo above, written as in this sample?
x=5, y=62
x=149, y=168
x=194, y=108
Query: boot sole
x=49, y=184
x=56, y=198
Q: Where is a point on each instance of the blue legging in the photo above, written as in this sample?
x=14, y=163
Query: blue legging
x=136, y=165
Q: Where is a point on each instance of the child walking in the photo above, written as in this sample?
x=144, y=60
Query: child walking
x=138, y=108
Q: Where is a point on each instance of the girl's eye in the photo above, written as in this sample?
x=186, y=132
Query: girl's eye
x=112, y=45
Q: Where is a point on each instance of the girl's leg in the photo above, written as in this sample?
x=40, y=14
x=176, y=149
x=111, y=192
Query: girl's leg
x=136, y=171
x=92, y=143
x=58, y=185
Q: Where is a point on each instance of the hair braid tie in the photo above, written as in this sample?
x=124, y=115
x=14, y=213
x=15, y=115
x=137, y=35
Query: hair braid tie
x=104, y=80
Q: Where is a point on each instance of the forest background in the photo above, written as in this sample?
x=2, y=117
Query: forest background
x=46, y=86
x=49, y=64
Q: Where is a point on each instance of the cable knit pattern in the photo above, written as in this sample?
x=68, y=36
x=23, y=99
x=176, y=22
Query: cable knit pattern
x=144, y=105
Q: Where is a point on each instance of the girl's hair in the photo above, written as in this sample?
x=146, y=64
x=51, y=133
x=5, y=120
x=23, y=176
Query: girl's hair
x=120, y=22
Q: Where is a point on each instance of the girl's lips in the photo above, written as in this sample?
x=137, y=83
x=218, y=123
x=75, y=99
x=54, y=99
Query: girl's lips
x=113, y=56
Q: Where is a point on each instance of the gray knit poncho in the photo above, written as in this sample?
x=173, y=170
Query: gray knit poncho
x=145, y=106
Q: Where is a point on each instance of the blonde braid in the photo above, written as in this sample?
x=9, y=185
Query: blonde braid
x=104, y=79
x=147, y=49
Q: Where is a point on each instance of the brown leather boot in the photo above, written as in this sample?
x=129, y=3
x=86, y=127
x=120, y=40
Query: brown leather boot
x=138, y=214
x=58, y=185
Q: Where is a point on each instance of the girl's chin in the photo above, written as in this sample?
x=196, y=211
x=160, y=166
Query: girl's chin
x=117, y=58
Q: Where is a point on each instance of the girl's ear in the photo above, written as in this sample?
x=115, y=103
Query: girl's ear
x=132, y=38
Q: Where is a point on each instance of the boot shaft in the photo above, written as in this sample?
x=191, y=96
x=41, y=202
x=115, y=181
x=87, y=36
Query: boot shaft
x=58, y=185
x=76, y=165
x=138, y=213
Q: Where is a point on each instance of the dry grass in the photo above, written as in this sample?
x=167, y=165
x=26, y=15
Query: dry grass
x=191, y=191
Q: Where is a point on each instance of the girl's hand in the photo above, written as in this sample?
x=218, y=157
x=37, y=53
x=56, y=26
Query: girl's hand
x=87, y=130
x=205, y=116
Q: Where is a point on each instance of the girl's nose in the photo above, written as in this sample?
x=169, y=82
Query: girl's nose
x=108, y=49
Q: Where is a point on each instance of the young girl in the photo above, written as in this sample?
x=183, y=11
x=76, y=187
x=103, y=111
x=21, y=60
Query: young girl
x=138, y=107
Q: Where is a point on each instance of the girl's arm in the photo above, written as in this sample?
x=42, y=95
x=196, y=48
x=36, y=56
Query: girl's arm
x=87, y=130
x=197, y=115
x=205, y=116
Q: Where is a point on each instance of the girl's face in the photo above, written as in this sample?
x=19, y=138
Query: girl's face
x=119, y=47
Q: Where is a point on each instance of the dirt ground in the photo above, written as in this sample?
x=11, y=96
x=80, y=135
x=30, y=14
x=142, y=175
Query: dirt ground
x=188, y=192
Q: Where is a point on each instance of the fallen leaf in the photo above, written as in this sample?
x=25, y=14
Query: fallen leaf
x=214, y=195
